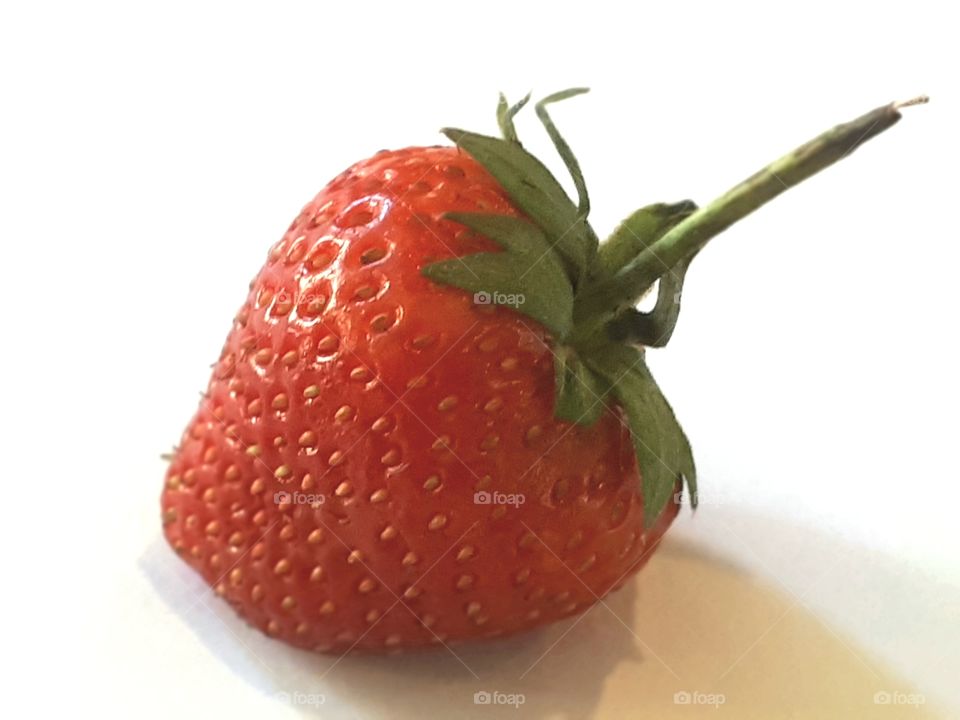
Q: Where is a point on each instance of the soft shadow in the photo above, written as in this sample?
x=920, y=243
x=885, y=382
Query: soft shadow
x=694, y=635
x=559, y=670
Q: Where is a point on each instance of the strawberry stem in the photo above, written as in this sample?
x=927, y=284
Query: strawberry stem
x=584, y=293
x=599, y=303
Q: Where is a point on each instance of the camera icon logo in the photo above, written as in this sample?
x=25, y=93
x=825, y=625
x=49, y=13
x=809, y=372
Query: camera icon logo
x=482, y=497
x=482, y=298
x=682, y=698
x=481, y=698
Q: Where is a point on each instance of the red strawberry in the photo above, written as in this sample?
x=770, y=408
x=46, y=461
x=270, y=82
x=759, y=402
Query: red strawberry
x=384, y=459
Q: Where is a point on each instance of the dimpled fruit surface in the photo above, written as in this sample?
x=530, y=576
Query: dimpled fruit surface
x=376, y=463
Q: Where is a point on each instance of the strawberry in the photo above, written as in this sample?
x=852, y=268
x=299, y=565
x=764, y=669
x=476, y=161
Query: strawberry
x=431, y=420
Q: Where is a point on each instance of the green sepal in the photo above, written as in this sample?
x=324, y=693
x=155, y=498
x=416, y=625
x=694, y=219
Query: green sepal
x=527, y=276
x=505, y=115
x=579, y=397
x=563, y=149
x=654, y=328
x=663, y=452
x=535, y=191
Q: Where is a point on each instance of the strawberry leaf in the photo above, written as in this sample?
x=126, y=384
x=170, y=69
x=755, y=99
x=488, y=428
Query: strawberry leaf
x=654, y=328
x=536, y=192
x=663, y=452
x=579, y=391
x=505, y=115
x=527, y=276
x=552, y=259
x=566, y=154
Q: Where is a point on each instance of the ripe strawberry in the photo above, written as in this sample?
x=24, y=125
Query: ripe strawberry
x=388, y=458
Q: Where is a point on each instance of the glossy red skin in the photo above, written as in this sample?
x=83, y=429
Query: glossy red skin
x=392, y=358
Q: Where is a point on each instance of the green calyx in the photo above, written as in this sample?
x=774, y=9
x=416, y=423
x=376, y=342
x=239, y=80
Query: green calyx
x=553, y=269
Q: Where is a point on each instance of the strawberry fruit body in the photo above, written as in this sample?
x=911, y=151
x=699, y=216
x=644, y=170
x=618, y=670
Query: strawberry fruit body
x=409, y=439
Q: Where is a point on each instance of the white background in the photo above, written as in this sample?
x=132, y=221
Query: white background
x=150, y=153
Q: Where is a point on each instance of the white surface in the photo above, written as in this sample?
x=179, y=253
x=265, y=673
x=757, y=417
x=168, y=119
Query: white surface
x=149, y=155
